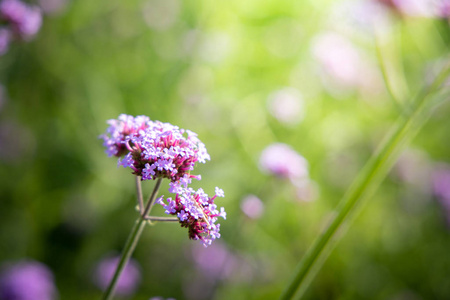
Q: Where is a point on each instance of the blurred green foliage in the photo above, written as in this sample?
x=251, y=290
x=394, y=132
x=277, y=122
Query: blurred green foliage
x=211, y=67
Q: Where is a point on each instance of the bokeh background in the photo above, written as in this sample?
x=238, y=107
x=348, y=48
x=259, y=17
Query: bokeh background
x=243, y=75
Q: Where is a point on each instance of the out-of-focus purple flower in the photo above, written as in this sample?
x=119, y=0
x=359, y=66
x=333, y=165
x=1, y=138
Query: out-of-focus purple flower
x=219, y=263
x=25, y=20
x=344, y=64
x=128, y=281
x=252, y=206
x=287, y=106
x=360, y=17
x=27, y=280
x=283, y=161
x=197, y=212
x=420, y=8
x=5, y=39
x=154, y=149
x=441, y=187
x=443, y=9
x=214, y=262
x=441, y=183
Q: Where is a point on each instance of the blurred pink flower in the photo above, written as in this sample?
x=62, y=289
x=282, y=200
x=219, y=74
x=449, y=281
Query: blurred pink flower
x=441, y=183
x=283, y=161
x=128, y=281
x=27, y=280
x=252, y=206
x=286, y=105
x=342, y=65
x=24, y=20
x=420, y=8
x=215, y=262
x=360, y=17
x=441, y=187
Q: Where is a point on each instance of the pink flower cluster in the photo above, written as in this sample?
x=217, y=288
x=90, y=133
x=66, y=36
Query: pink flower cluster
x=21, y=21
x=153, y=149
x=197, y=212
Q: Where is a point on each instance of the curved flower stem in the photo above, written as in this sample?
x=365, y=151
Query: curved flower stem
x=130, y=245
x=152, y=198
x=139, y=194
x=362, y=188
x=132, y=240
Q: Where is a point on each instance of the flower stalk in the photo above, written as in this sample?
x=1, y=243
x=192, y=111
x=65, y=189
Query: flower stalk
x=134, y=236
x=130, y=245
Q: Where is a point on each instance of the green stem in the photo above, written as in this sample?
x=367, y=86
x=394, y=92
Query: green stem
x=152, y=198
x=130, y=245
x=132, y=240
x=139, y=194
x=362, y=188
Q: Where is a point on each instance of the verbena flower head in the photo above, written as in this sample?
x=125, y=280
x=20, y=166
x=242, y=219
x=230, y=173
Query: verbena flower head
x=197, y=212
x=24, y=20
x=128, y=280
x=27, y=280
x=153, y=149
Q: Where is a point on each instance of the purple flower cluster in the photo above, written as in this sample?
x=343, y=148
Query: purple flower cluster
x=27, y=280
x=197, y=212
x=420, y=8
x=153, y=149
x=441, y=188
x=20, y=20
